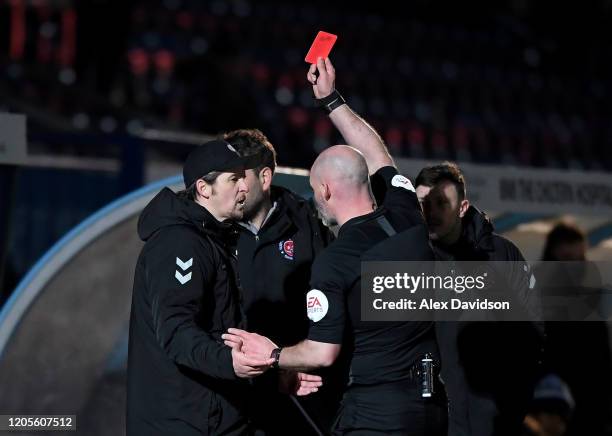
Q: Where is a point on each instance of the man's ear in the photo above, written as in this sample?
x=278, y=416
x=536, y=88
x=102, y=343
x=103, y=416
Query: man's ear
x=463, y=207
x=265, y=178
x=203, y=188
x=325, y=191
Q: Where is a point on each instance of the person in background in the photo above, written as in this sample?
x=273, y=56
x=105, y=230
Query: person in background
x=488, y=369
x=551, y=409
x=279, y=237
x=573, y=346
x=565, y=242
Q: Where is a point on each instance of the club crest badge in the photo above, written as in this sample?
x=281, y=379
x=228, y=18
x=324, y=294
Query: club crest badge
x=286, y=248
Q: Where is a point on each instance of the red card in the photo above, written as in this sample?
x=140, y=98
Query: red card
x=321, y=46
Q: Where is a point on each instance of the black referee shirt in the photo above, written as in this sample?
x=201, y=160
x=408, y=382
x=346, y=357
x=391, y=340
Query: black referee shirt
x=379, y=351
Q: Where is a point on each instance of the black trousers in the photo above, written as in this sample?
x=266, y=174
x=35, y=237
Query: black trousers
x=391, y=409
x=276, y=414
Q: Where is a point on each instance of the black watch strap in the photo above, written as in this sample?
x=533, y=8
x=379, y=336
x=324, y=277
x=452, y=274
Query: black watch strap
x=276, y=355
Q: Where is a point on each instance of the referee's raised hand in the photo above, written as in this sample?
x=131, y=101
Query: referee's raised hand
x=322, y=76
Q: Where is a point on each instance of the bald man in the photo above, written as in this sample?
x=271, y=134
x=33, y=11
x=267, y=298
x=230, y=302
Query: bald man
x=383, y=393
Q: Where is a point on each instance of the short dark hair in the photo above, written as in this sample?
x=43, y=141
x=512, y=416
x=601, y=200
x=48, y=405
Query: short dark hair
x=250, y=142
x=190, y=191
x=446, y=171
x=562, y=233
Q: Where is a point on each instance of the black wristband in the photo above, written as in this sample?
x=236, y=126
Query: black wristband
x=331, y=102
x=276, y=355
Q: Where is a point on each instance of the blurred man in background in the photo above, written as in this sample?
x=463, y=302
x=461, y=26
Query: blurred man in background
x=572, y=345
x=488, y=369
x=551, y=409
x=565, y=243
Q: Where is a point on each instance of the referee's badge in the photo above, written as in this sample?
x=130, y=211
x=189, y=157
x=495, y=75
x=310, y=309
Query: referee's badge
x=286, y=248
x=316, y=305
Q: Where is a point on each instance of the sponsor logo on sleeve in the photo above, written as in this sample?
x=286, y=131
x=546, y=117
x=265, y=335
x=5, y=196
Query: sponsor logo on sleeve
x=316, y=305
x=400, y=181
x=183, y=266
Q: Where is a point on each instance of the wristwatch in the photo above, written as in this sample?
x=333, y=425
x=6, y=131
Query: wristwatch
x=276, y=355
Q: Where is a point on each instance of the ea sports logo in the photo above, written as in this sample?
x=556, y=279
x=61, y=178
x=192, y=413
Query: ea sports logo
x=316, y=305
x=313, y=302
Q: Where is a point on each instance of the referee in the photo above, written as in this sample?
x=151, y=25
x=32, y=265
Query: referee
x=383, y=394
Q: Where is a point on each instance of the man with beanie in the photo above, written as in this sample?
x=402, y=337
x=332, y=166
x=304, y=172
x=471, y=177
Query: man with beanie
x=182, y=379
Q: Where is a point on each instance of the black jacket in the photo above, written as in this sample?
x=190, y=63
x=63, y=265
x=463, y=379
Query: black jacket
x=274, y=268
x=478, y=241
x=489, y=368
x=180, y=375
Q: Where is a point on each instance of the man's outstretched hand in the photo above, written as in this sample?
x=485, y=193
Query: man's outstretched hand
x=251, y=344
x=245, y=366
x=299, y=383
x=325, y=83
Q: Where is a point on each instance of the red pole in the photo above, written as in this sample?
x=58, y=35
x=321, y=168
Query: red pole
x=68, y=41
x=18, y=29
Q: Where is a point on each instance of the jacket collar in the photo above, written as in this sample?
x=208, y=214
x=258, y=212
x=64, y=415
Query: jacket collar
x=477, y=230
x=279, y=218
x=168, y=209
x=251, y=227
x=361, y=219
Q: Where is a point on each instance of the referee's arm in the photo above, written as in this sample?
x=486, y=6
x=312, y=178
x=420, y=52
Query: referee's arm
x=309, y=355
x=305, y=355
x=354, y=129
